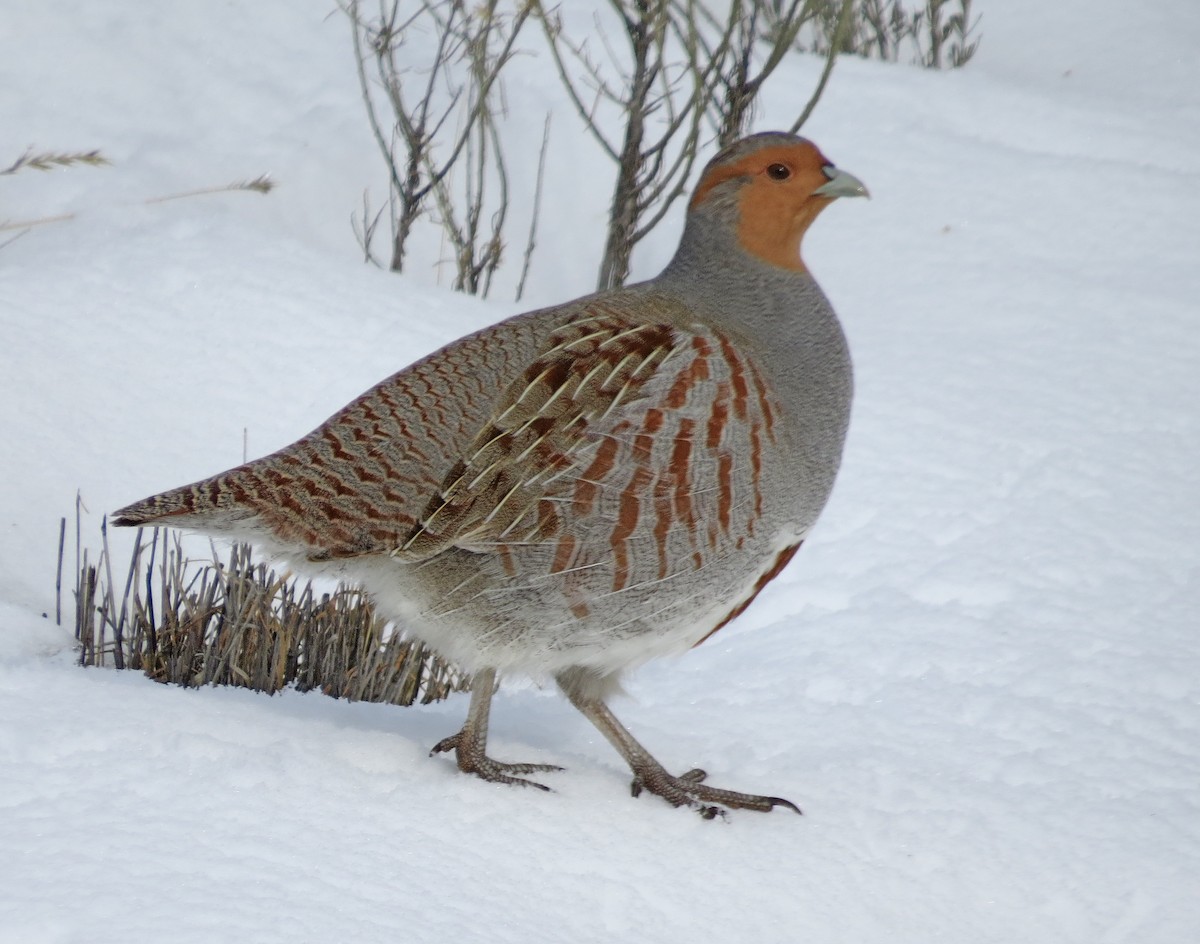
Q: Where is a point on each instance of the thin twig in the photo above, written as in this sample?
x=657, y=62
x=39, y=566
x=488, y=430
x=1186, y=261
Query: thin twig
x=831, y=57
x=62, y=543
x=531, y=242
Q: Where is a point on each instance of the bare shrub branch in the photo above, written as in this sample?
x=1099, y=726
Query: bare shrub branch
x=751, y=30
x=531, y=240
x=657, y=105
x=435, y=126
x=883, y=29
x=835, y=41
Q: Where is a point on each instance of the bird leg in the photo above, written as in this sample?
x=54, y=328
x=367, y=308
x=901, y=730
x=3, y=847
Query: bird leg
x=470, y=744
x=687, y=789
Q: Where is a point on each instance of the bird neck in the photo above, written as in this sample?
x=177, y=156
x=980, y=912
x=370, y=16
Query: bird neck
x=714, y=268
x=781, y=313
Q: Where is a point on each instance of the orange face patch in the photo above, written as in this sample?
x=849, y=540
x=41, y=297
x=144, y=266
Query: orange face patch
x=775, y=209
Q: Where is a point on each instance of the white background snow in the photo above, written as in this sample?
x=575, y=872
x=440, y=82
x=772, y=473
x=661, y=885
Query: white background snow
x=979, y=678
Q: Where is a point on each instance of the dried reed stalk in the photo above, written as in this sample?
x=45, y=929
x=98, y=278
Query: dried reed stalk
x=238, y=622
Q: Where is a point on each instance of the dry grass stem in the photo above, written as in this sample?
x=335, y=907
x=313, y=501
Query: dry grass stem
x=233, y=621
x=261, y=184
x=49, y=160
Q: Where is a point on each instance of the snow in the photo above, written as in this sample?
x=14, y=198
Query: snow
x=980, y=678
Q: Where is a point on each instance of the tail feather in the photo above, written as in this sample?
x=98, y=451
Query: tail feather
x=204, y=506
x=154, y=509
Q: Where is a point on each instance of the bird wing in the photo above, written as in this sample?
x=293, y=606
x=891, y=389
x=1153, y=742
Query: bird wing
x=626, y=453
x=558, y=419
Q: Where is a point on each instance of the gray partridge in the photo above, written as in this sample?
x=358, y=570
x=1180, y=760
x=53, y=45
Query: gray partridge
x=577, y=490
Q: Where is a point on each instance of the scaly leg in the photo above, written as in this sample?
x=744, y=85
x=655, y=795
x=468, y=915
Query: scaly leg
x=470, y=744
x=648, y=774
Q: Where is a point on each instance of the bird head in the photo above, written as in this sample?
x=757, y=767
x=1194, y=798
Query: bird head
x=770, y=187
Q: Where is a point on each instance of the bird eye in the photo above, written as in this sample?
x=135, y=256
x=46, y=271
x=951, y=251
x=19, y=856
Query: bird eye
x=779, y=172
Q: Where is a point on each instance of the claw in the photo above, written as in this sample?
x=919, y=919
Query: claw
x=780, y=801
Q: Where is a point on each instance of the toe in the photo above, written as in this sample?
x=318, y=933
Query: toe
x=444, y=745
x=688, y=789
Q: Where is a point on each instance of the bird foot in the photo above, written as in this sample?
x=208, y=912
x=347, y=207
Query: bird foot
x=689, y=790
x=472, y=760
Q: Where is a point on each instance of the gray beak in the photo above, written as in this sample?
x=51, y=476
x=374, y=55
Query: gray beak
x=841, y=184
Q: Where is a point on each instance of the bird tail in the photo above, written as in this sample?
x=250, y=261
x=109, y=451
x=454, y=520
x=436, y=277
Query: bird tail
x=154, y=509
x=204, y=506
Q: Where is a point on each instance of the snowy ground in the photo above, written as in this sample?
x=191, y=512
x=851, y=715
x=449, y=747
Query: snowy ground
x=980, y=677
